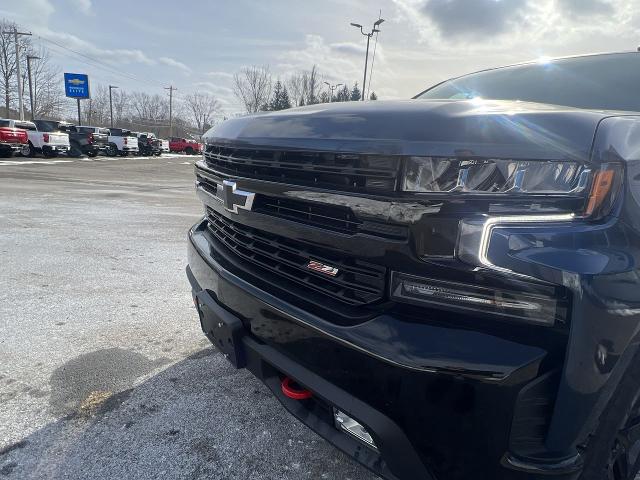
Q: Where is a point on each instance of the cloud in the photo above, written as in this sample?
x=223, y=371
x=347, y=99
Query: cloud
x=219, y=74
x=115, y=57
x=585, y=8
x=170, y=62
x=475, y=18
x=84, y=6
x=22, y=12
x=350, y=48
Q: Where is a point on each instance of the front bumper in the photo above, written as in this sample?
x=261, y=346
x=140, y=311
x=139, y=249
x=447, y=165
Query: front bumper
x=55, y=148
x=438, y=401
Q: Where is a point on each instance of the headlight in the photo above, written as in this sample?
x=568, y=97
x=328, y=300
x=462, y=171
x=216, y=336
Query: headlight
x=494, y=176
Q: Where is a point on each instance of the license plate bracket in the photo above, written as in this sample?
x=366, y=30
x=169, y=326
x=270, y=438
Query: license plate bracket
x=222, y=328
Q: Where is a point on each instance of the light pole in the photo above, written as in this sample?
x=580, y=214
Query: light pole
x=111, y=87
x=32, y=89
x=333, y=88
x=366, y=58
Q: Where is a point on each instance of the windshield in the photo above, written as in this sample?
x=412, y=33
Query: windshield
x=609, y=82
x=5, y=123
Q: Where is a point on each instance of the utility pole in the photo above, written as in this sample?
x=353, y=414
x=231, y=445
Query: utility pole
x=171, y=88
x=32, y=89
x=333, y=88
x=16, y=34
x=374, y=30
x=111, y=87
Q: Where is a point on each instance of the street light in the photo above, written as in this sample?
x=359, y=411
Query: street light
x=111, y=87
x=333, y=88
x=31, y=88
x=375, y=29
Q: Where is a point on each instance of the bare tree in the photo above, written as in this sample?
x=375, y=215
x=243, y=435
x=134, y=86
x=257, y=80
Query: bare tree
x=295, y=86
x=252, y=86
x=305, y=87
x=8, y=63
x=47, y=86
x=96, y=109
x=311, y=84
x=202, y=107
x=149, y=107
x=121, y=100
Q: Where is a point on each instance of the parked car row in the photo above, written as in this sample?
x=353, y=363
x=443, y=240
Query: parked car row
x=52, y=138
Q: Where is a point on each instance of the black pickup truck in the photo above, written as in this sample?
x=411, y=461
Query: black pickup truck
x=82, y=140
x=148, y=144
x=444, y=288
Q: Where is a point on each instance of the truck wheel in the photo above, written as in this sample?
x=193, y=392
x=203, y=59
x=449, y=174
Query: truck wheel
x=188, y=151
x=92, y=153
x=112, y=150
x=612, y=452
x=30, y=151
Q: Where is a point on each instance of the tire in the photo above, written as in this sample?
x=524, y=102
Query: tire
x=92, y=154
x=609, y=452
x=111, y=150
x=188, y=151
x=31, y=151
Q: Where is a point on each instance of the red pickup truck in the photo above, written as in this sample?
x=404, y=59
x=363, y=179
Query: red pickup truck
x=190, y=147
x=12, y=139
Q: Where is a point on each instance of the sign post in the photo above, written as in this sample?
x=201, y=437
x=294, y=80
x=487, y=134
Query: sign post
x=76, y=85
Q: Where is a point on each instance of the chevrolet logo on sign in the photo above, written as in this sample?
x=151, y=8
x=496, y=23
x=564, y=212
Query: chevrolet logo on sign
x=76, y=81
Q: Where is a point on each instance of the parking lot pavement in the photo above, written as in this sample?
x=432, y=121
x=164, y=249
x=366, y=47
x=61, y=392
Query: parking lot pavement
x=104, y=372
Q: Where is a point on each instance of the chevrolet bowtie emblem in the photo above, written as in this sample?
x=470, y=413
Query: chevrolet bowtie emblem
x=76, y=81
x=232, y=198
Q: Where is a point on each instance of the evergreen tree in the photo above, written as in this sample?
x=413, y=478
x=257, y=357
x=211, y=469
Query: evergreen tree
x=343, y=95
x=280, y=99
x=355, y=93
x=373, y=96
x=285, y=103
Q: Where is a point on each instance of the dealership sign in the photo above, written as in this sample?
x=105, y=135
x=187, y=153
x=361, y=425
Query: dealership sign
x=76, y=85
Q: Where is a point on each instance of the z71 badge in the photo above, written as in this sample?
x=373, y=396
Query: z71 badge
x=322, y=268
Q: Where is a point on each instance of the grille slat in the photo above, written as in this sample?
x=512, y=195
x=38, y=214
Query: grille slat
x=364, y=173
x=357, y=283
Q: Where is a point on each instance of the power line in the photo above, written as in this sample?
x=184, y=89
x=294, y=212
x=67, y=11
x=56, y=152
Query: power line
x=100, y=64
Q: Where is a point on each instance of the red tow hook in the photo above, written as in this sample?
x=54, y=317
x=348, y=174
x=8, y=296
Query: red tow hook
x=292, y=390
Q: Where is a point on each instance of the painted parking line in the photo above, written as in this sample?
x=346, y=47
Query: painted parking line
x=101, y=159
x=33, y=162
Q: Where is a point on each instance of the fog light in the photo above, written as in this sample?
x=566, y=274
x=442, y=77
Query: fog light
x=350, y=426
x=528, y=306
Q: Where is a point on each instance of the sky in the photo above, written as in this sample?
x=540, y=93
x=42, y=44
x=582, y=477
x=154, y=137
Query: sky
x=198, y=45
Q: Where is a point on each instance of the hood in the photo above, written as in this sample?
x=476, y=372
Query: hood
x=480, y=128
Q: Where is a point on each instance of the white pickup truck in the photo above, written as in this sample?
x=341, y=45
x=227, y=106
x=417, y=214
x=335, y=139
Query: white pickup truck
x=122, y=142
x=164, y=147
x=47, y=143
